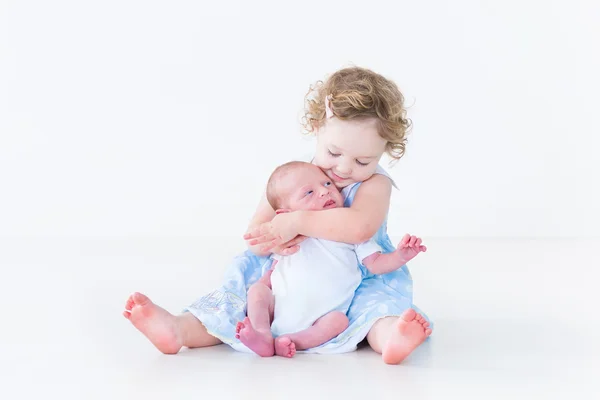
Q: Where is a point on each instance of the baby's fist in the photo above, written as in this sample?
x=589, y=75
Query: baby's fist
x=410, y=246
x=414, y=242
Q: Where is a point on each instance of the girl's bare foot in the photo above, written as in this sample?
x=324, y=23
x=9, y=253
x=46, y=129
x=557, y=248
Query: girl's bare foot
x=156, y=323
x=410, y=331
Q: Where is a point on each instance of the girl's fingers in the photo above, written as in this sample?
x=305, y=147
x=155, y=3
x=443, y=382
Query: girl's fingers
x=291, y=250
x=258, y=240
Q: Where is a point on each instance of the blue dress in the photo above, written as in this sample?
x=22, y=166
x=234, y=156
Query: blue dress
x=377, y=296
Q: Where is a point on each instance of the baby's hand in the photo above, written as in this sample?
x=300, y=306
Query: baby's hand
x=409, y=247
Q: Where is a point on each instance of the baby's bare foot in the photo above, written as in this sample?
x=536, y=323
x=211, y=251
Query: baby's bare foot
x=410, y=331
x=156, y=323
x=284, y=347
x=259, y=342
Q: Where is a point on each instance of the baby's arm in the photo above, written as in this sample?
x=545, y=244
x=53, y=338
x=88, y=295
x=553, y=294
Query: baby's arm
x=407, y=249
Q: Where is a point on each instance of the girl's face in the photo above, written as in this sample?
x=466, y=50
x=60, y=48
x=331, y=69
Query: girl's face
x=349, y=151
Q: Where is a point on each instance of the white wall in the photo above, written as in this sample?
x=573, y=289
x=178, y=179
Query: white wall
x=153, y=118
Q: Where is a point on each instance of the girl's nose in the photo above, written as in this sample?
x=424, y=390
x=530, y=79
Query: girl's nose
x=344, y=169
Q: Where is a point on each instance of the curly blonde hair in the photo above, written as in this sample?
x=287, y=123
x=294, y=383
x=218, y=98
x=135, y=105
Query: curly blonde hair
x=358, y=93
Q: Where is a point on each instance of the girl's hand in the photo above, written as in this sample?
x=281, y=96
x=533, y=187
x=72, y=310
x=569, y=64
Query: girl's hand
x=289, y=248
x=278, y=231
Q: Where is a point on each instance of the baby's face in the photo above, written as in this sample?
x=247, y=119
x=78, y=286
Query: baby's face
x=308, y=188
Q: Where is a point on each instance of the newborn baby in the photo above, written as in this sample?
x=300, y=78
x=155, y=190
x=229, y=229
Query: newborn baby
x=302, y=301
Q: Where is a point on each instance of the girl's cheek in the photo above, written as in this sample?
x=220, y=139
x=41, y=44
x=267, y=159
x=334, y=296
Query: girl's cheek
x=323, y=164
x=364, y=175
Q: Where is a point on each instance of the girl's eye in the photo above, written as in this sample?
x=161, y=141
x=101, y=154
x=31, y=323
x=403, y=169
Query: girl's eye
x=309, y=193
x=362, y=164
x=333, y=154
x=327, y=184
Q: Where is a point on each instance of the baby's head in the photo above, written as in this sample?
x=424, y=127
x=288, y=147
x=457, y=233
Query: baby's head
x=302, y=186
x=357, y=116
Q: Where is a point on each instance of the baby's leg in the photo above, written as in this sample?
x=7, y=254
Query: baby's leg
x=255, y=330
x=266, y=278
x=324, y=329
x=396, y=337
x=166, y=331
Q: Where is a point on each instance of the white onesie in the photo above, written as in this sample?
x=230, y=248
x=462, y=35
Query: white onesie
x=321, y=277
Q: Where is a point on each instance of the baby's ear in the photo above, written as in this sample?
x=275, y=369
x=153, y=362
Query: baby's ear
x=283, y=210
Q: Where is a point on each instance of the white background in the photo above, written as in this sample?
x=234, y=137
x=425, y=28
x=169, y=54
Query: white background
x=121, y=118
x=136, y=138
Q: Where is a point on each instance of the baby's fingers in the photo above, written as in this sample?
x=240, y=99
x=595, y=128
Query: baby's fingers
x=404, y=241
x=412, y=241
x=423, y=248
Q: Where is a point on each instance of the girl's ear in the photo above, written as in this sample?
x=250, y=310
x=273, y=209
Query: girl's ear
x=282, y=210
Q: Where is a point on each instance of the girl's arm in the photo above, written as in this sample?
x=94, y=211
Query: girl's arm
x=353, y=225
x=265, y=213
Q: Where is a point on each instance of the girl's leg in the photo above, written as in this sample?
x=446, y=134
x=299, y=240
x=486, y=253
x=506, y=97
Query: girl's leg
x=166, y=331
x=396, y=337
x=255, y=330
x=194, y=334
x=324, y=329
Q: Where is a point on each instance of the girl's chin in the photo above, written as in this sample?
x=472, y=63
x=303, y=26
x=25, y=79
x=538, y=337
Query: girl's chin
x=341, y=185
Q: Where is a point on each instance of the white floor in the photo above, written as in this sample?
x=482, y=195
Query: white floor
x=514, y=319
